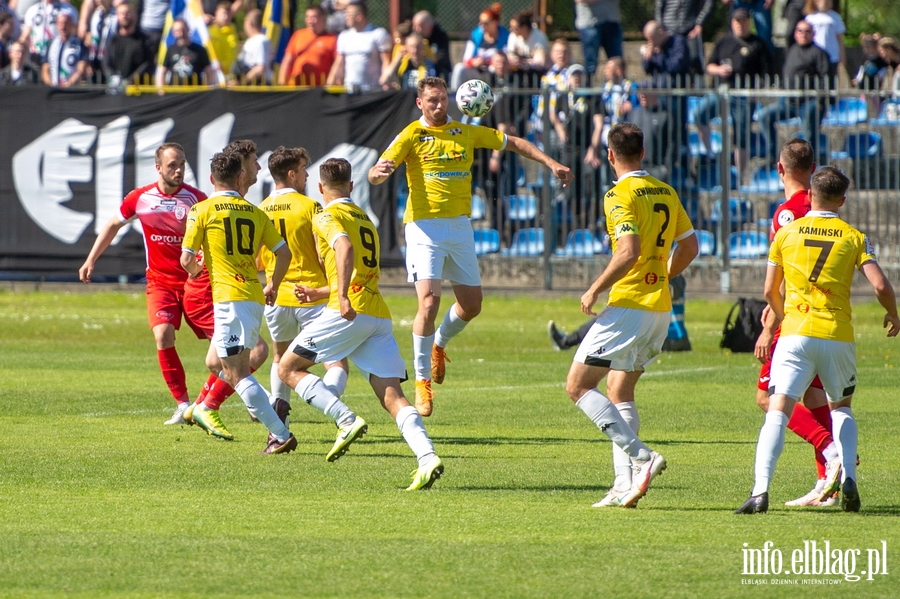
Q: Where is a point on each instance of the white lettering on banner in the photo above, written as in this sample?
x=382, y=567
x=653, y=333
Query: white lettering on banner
x=361, y=160
x=213, y=137
x=42, y=171
x=109, y=178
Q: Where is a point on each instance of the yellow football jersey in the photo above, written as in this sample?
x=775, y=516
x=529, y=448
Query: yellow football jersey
x=819, y=254
x=640, y=204
x=439, y=166
x=230, y=230
x=343, y=217
x=292, y=214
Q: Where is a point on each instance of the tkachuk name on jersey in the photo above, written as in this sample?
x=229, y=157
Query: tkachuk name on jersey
x=237, y=207
x=277, y=207
x=821, y=231
x=652, y=191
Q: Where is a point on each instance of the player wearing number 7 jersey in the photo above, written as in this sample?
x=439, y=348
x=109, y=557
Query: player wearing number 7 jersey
x=645, y=218
x=815, y=257
x=356, y=325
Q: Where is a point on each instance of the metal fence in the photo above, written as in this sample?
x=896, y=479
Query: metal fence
x=717, y=147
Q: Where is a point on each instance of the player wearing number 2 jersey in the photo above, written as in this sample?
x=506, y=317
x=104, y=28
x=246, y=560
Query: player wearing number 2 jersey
x=816, y=257
x=292, y=213
x=644, y=217
x=356, y=324
x=230, y=230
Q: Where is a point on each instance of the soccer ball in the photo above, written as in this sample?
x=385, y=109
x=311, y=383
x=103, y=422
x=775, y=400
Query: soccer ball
x=474, y=98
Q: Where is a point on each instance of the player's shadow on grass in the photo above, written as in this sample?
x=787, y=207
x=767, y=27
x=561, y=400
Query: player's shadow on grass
x=513, y=440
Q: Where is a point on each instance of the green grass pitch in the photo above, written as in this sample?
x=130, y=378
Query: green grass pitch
x=99, y=499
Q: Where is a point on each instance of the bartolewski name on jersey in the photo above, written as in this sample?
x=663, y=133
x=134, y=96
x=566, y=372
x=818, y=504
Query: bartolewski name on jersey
x=820, y=559
x=236, y=207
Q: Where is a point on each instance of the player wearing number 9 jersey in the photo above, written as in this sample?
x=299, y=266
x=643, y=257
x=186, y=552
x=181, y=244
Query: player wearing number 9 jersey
x=816, y=257
x=356, y=325
x=645, y=218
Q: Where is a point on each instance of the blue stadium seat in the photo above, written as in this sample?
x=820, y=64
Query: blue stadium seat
x=487, y=241
x=748, y=244
x=707, y=242
x=708, y=178
x=526, y=242
x=847, y=111
x=741, y=212
x=580, y=243
x=860, y=145
x=478, y=207
x=521, y=207
x=764, y=180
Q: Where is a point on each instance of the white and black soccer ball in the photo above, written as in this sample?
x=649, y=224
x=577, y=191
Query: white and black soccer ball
x=474, y=98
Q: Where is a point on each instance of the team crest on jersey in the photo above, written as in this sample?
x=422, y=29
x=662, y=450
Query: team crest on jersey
x=180, y=212
x=455, y=131
x=785, y=218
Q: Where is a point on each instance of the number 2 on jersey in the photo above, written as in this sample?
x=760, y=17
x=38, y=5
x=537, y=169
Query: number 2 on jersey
x=825, y=247
x=660, y=207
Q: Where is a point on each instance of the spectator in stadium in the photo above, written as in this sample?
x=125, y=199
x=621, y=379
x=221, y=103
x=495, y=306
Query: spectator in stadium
x=363, y=52
x=619, y=95
x=437, y=42
x=409, y=65
x=528, y=46
x=65, y=63
x=665, y=55
x=310, y=53
x=761, y=13
x=489, y=37
x=210, y=6
x=19, y=70
x=793, y=13
x=7, y=28
x=828, y=31
x=40, y=26
x=806, y=68
x=186, y=62
x=128, y=56
x=599, y=25
x=873, y=70
x=153, y=19
x=686, y=18
x=658, y=126
x=889, y=50
x=740, y=60
x=102, y=26
x=336, y=14
x=223, y=36
x=253, y=65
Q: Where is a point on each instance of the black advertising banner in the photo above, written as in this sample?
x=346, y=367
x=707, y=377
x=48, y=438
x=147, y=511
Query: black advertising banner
x=67, y=159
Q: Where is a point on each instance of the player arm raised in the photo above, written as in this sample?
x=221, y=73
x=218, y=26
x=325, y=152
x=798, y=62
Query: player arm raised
x=343, y=258
x=106, y=236
x=884, y=291
x=527, y=149
x=628, y=250
x=380, y=171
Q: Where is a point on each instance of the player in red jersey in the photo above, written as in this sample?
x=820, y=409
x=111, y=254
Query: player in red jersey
x=811, y=418
x=162, y=209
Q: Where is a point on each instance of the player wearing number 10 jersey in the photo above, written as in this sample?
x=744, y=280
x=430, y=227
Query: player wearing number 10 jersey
x=356, y=324
x=231, y=231
x=816, y=257
x=644, y=217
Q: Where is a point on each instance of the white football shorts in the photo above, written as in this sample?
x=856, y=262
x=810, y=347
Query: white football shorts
x=798, y=359
x=366, y=340
x=286, y=322
x=442, y=248
x=235, y=326
x=624, y=339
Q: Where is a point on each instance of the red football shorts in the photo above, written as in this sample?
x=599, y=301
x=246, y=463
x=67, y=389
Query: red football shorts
x=166, y=305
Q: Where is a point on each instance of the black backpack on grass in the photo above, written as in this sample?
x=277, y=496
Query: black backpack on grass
x=742, y=330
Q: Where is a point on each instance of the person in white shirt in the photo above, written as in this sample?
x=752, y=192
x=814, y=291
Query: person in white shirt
x=39, y=27
x=363, y=52
x=254, y=63
x=527, y=46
